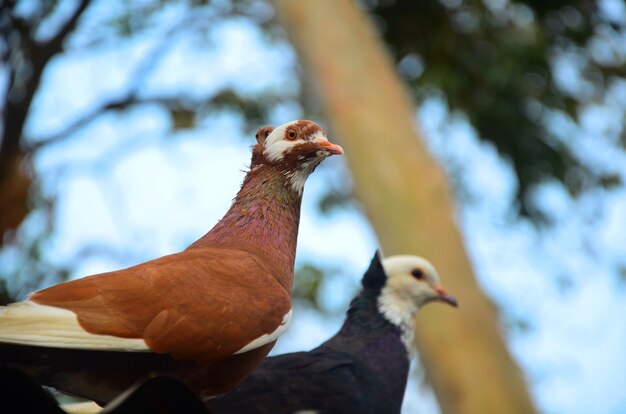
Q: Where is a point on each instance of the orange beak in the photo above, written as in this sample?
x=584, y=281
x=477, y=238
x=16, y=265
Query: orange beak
x=328, y=146
x=445, y=297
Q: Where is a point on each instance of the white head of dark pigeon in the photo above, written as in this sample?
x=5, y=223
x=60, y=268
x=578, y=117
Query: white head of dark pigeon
x=412, y=282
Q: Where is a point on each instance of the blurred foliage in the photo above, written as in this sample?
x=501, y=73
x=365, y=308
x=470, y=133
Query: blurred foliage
x=621, y=272
x=312, y=284
x=335, y=198
x=26, y=263
x=495, y=60
x=308, y=280
x=518, y=325
x=5, y=296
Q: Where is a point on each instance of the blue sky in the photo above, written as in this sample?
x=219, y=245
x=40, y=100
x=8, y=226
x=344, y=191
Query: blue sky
x=165, y=188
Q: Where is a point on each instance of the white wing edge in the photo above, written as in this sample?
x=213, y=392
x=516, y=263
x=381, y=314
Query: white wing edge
x=29, y=323
x=267, y=338
x=88, y=407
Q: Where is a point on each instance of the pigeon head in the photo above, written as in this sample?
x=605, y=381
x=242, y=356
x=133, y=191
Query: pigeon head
x=414, y=279
x=295, y=148
x=404, y=284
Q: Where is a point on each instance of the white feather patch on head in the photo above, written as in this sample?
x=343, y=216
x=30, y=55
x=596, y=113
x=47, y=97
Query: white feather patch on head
x=402, y=295
x=271, y=337
x=404, y=264
x=319, y=136
x=276, y=145
x=29, y=323
x=298, y=177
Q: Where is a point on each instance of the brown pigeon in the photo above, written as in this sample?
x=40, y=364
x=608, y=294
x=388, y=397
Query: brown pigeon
x=207, y=315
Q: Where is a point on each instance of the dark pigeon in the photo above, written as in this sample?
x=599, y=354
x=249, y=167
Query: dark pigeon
x=364, y=367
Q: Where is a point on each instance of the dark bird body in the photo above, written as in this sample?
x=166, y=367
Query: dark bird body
x=19, y=394
x=362, y=369
x=331, y=378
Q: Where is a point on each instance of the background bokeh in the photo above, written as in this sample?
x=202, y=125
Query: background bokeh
x=137, y=134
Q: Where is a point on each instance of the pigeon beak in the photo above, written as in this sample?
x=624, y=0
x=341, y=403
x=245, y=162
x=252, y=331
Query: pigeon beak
x=444, y=297
x=332, y=149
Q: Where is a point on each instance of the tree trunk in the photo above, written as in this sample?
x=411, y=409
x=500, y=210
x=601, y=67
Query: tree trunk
x=407, y=198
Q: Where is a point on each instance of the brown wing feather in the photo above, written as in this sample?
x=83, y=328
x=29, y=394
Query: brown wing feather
x=201, y=304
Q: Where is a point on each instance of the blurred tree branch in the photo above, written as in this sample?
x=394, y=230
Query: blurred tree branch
x=176, y=105
x=495, y=61
x=25, y=59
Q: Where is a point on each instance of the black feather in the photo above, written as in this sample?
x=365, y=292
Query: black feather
x=374, y=278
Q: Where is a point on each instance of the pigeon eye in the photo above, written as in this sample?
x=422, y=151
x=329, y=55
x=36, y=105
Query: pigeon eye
x=291, y=134
x=418, y=274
